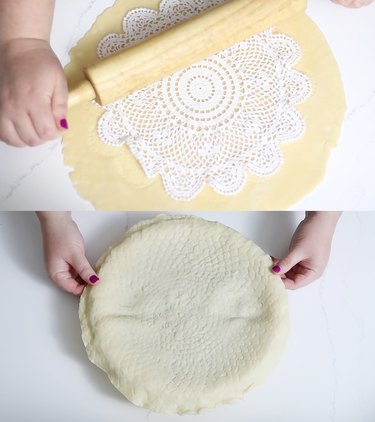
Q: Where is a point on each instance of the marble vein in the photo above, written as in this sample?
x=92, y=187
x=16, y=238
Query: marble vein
x=18, y=182
x=361, y=106
x=73, y=39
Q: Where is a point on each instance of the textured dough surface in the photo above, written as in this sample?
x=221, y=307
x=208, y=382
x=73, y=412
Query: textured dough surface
x=112, y=178
x=187, y=316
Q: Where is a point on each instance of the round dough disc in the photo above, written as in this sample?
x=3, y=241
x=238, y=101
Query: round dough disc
x=188, y=315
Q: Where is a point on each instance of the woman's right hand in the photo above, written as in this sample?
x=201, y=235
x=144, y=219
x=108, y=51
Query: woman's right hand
x=33, y=93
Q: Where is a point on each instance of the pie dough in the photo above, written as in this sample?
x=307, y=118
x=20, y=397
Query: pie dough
x=112, y=178
x=188, y=315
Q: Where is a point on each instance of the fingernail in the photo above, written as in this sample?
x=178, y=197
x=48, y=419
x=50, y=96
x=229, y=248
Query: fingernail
x=276, y=269
x=64, y=124
x=94, y=279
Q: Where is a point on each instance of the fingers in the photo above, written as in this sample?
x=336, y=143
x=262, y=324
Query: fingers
x=291, y=272
x=26, y=131
x=43, y=122
x=45, y=127
x=72, y=274
x=282, y=266
x=84, y=270
x=9, y=134
x=29, y=129
x=66, y=282
x=297, y=280
x=53, y=112
x=60, y=103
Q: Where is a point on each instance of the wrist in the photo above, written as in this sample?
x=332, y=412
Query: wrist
x=47, y=217
x=20, y=45
x=326, y=219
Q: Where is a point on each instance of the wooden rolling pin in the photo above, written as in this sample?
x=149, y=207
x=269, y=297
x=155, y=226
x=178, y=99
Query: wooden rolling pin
x=174, y=49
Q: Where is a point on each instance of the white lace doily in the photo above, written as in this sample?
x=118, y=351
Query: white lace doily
x=214, y=121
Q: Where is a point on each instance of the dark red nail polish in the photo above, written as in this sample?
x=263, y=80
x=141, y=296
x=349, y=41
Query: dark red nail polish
x=64, y=124
x=94, y=279
x=276, y=269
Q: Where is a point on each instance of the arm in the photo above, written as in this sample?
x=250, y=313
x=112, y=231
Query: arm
x=309, y=250
x=33, y=87
x=64, y=252
x=25, y=19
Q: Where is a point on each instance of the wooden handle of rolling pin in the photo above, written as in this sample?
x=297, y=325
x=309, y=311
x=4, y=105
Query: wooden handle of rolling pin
x=82, y=93
x=174, y=49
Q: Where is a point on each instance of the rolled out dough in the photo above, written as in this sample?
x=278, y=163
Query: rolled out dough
x=112, y=178
x=188, y=315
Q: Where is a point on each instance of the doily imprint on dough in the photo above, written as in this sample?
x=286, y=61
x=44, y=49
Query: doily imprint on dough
x=188, y=324
x=214, y=121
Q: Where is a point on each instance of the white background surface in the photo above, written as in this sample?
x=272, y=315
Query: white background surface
x=326, y=374
x=37, y=178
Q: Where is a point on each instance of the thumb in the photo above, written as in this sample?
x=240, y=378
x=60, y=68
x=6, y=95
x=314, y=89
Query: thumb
x=84, y=270
x=282, y=266
x=60, y=103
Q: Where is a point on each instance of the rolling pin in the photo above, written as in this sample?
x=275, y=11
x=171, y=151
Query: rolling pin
x=187, y=43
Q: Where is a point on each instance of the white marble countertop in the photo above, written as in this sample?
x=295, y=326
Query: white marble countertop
x=326, y=374
x=29, y=179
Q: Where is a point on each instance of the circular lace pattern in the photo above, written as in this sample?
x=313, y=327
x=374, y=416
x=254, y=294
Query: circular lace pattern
x=214, y=121
x=202, y=96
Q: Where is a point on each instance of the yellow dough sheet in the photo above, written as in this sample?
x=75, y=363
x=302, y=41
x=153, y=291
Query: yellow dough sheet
x=111, y=178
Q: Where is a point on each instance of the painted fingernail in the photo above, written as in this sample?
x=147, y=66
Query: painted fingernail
x=276, y=269
x=93, y=279
x=64, y=124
